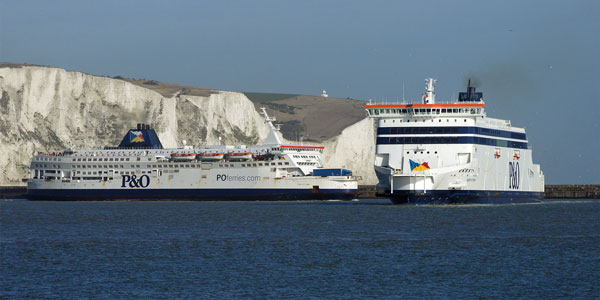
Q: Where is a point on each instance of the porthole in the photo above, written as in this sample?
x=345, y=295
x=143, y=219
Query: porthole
x=465, y=120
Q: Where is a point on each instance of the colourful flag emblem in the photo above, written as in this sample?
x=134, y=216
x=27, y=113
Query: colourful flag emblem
x=415, y=166
x=136, y=137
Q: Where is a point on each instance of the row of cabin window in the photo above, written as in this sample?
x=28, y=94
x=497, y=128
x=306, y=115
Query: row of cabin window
x=305, y=156
x=305, y=149
x=450, y=140
x=426, y=111
x=172, y=166
x=44, y=158
x=449, y=129
x=422, y=120
x=408, y=152
x=254, y=164
x=105, y=159
x=105, y=172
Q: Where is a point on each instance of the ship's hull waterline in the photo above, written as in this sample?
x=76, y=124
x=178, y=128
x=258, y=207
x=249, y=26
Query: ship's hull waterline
x=193, y=194
x=463, y=197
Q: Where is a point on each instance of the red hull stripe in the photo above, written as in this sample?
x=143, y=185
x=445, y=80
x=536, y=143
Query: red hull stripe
x=303, y=147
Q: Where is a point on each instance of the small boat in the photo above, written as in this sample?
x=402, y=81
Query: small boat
x=210, y=156
x=161, y=158
x=262, y=157
x=183, y=156
x=233, y=156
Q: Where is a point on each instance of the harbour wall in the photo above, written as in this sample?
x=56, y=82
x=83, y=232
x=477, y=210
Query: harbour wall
x=555, y=191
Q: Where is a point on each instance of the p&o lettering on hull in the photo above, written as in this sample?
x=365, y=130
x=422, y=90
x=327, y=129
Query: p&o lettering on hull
x=133, y=181
x=513, y=175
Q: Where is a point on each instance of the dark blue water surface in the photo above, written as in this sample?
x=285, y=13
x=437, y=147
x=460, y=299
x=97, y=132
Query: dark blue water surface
x=302, y=250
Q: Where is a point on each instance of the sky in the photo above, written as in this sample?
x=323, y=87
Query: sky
x=536, y=62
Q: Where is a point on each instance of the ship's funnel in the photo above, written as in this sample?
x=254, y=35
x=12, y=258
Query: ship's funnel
x=141, y=137
x=470, y=95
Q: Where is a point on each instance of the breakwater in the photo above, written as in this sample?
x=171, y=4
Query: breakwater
x=553, y=191
x=13, y=192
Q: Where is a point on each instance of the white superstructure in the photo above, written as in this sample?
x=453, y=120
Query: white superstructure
x=140, y=168
x=452, y=153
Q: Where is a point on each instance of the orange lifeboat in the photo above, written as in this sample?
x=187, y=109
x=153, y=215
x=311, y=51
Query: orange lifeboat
x=183, y=156
x=211, y=156
x=239, y=156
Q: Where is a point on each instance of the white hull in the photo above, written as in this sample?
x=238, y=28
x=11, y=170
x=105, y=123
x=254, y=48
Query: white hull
x=279, y=172
x=433, y=153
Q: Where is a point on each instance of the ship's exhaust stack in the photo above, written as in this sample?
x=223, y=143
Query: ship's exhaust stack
x=471, y=95
x=142, y=136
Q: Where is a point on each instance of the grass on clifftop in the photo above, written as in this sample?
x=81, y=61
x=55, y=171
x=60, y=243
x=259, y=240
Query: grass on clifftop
x=268, y=97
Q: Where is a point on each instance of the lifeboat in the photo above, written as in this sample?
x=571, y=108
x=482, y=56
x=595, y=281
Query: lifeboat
x=239, y=156
x=211, y=156
x=180, y=156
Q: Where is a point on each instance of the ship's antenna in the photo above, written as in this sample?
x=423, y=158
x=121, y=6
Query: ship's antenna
x=429, y=96
x=403, y=100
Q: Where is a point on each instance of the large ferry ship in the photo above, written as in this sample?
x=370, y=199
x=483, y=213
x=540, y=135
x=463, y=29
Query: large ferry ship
x=140, y=168
x=430, y=153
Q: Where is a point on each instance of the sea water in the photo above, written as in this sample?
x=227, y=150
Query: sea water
x=298, y=250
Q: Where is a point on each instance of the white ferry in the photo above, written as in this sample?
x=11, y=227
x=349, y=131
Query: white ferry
x=140, y=168
x=430, y=153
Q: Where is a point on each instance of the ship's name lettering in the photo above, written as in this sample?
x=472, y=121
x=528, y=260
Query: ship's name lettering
x=226, y=177
x=513, y=175
x=133, y=181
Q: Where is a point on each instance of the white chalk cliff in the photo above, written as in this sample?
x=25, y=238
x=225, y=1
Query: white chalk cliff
x=50, y=109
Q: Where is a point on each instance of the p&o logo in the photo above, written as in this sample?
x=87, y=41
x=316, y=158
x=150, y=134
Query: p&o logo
x=133, y=181
x=514, y=175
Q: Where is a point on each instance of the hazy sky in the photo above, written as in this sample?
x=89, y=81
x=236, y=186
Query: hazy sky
x=535, y=61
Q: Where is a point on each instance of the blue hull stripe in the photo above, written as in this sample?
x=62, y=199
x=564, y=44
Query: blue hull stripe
x=190, y=194
x=450, y=140
x=453, y=130
x=459, y=196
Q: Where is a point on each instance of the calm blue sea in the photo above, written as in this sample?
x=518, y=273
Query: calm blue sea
x=298, y=250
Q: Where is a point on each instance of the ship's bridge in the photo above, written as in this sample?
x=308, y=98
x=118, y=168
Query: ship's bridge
x=471, y=109
x=469, y=104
